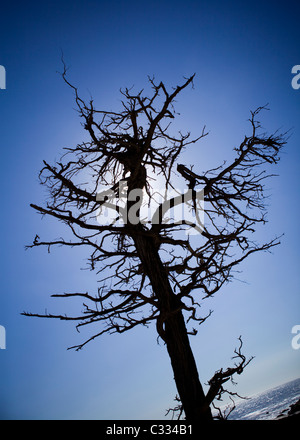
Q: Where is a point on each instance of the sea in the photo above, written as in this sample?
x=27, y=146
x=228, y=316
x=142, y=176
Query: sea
x=268, y=404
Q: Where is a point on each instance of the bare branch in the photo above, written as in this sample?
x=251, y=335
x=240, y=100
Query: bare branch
x=216, y=389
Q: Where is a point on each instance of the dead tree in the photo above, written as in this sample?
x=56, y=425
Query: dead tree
x=157, y=273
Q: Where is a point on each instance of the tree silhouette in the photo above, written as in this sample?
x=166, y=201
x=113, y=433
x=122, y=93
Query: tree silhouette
x=158, y=270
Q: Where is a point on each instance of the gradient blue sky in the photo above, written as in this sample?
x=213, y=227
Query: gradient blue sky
x=242, y=53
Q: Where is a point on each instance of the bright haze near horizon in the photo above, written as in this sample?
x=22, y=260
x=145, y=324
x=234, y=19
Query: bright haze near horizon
x=243, y=54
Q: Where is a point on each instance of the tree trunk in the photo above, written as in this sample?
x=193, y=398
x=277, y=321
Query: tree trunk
x=171, y=327
x=185, y=370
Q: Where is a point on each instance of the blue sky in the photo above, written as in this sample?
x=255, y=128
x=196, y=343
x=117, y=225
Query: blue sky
x=242, y=54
